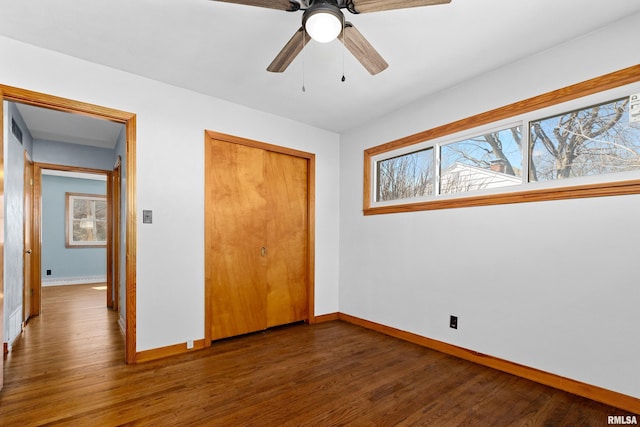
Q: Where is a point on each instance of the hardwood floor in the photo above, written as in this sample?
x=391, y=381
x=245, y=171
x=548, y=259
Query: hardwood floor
x=68, y=369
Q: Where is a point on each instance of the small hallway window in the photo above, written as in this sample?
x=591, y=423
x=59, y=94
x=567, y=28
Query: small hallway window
x=86, y=224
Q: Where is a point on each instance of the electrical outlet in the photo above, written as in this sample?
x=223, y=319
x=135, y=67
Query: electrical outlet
x=48, y=272
x=453, y=322
x=189, y=344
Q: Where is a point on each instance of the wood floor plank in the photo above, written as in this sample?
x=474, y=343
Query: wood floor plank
x=68, y=369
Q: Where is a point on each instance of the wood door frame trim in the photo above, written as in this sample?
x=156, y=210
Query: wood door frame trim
x=28, y=225
x=24, y=96
x=311, y=203
x=116, y=211
x=4, y=346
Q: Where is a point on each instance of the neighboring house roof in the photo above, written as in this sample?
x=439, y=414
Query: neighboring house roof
x=460, y=177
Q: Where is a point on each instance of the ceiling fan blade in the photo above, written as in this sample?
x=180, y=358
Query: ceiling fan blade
x=286, y=5
x=362, y=49
x=366, y=6
x=289, y=51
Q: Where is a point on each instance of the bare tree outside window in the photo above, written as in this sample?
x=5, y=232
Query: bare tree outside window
x=591, y=141
x=406, y=176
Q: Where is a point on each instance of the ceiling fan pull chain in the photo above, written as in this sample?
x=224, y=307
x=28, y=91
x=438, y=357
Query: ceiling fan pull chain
x=344, y=47
x=304, y=40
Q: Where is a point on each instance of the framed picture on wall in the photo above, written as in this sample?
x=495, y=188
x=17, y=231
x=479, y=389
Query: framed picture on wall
x=86, y=220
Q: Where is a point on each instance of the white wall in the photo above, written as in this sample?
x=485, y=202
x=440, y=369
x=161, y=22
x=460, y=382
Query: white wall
x=170, y=180
x=550, y=285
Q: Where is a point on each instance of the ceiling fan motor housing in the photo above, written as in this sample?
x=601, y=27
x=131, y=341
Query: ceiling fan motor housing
x=306, y=4
x=322, y=6
x=323, y=20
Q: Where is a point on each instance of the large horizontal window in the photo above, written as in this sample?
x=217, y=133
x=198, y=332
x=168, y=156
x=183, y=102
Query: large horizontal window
x=580, y=141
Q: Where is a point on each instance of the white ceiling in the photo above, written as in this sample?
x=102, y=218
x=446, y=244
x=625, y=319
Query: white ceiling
x=223, y=49
x=81, y=175
x=70, y=128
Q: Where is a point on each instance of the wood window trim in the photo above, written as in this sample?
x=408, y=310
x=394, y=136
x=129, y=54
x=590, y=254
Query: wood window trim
x=589, y=87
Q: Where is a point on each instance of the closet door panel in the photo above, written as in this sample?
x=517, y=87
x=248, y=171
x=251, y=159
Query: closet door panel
x=286, y=187
x=236, y=233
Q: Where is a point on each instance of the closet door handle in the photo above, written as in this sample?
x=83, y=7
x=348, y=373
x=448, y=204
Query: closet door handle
x=263, y=251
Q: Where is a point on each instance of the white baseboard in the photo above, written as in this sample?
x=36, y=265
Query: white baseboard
x=14, y=326
x=79, y=280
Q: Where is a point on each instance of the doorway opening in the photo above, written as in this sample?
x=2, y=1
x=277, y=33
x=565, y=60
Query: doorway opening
x=76, y=217
x=125, y=225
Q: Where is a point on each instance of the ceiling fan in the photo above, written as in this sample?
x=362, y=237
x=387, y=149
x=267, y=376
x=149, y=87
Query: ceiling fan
x=323, y=21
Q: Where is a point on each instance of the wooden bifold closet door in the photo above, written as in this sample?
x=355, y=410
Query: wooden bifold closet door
x=256, y=238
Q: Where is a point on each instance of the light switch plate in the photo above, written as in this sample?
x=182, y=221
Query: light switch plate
x=147, y=217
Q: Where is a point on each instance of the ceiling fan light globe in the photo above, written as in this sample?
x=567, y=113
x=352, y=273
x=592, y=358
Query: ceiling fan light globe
x=323, y=27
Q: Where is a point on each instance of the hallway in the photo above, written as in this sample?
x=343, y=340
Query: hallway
x=74, y=337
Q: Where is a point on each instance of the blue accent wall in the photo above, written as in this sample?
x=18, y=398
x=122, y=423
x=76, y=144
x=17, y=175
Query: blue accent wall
x=62, y=153
x=27, y=139
x=62, y=261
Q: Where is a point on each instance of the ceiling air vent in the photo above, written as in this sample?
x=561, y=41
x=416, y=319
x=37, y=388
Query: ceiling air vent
x=16, y=131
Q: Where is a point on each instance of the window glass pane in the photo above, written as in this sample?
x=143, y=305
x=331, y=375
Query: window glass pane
x=101, y=209
x=101, y=231
x=487, y=161
x=84, y=231
x=81, y=208
x=78, y=232
x=592, y=141
x=406, y=176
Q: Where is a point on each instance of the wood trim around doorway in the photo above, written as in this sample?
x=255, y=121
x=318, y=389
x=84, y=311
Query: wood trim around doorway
x=311, y=202
x=13, y=94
